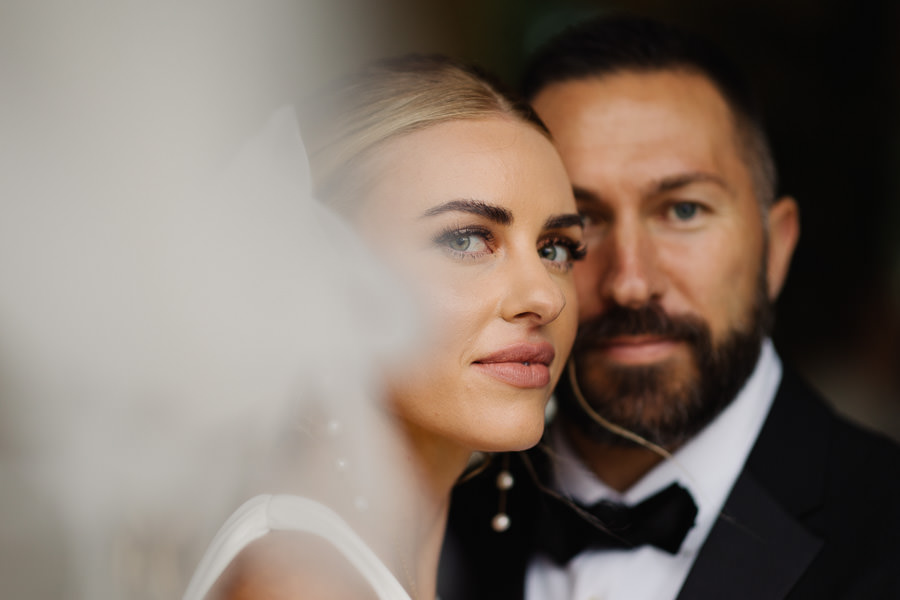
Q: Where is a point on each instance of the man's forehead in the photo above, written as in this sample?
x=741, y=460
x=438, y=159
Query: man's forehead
x=659, y=116
x=685, y=92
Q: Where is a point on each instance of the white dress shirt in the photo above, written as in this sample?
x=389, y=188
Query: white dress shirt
x=707, y=465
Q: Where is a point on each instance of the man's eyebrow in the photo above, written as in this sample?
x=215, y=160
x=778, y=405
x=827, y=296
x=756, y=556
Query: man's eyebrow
x=674, y=182
x=564, y=221
x=497, y=214
x=584, y=195
x=661, y=186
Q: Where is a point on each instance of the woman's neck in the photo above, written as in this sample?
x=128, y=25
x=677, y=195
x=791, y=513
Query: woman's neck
x=435, y=464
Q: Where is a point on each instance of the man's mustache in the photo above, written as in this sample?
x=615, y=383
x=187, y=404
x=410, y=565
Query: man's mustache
x=650, y=319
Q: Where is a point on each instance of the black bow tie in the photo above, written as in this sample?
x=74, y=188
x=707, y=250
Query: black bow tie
x=662, y=520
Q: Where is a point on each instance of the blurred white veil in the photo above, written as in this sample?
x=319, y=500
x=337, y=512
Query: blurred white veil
x=171, y=341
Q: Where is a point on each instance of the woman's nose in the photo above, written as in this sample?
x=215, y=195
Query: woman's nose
x=532, y=292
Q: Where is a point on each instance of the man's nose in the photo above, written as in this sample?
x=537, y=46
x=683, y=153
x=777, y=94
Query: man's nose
x=632, y=274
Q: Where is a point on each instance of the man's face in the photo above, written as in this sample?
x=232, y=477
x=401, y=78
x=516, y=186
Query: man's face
x=673, y=294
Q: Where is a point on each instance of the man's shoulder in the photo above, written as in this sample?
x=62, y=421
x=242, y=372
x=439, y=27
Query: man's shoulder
x=838, y=478
x=842, y=482
x=817, y=492
x=803, y=421
x=805, y=445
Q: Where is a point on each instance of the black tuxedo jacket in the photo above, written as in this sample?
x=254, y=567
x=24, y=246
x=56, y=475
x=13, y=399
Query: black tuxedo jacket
x=815, y=514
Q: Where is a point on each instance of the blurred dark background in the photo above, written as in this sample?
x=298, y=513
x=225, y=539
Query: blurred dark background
x=828, y=73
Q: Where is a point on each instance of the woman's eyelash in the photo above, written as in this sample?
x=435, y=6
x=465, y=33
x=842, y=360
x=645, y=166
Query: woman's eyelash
x=454, y=232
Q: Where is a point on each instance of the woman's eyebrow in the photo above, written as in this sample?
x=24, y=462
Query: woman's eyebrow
x=564, y=221
x=497, y=214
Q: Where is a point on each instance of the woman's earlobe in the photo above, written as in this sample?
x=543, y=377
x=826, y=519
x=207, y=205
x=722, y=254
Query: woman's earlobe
x=784, y=231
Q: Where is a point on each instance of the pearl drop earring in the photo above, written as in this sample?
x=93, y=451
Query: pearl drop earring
x=505, y=481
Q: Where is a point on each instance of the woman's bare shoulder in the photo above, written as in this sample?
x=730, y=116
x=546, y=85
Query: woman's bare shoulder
x=285, y=565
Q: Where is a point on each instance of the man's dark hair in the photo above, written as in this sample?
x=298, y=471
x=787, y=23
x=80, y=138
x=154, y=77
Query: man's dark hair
x=611, y=45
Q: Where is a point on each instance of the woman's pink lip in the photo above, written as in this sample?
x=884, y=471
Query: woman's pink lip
x=542, y=353
x=521, y=365
x=520, y=375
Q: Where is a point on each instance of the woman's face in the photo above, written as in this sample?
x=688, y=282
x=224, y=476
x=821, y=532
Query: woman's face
x=479, y=216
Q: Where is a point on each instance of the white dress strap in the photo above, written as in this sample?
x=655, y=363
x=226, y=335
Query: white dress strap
x=263, y=514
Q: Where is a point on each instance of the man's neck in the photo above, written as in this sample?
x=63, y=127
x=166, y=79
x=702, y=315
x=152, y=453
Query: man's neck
x=618, y=466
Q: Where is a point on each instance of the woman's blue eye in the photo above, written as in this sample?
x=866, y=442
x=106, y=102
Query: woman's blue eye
x=685, y=211
x=460, y=243
x=562, y=252
x=555, y=253
x=465, y=242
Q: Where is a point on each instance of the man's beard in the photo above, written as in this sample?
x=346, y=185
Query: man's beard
x=670, y=402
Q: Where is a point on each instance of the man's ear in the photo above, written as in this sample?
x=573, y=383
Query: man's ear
x=784, y=230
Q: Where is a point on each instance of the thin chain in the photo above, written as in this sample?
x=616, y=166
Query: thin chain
x=570, y=368
x=630, y=435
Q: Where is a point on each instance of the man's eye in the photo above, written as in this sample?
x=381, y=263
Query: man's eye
x=592, y=218
x=595, y=218
x=684, y=211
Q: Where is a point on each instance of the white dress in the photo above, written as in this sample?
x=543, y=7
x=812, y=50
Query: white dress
x=263, y=514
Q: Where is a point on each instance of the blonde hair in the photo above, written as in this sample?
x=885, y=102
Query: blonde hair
x=391, y=98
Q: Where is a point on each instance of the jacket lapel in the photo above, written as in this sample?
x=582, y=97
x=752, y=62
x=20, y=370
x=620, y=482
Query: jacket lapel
x=756, y=550
x=759, y=547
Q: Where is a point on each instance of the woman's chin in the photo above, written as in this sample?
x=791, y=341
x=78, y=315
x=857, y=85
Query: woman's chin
x=514, y=434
